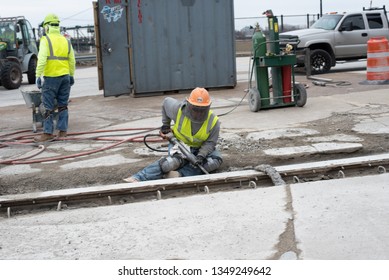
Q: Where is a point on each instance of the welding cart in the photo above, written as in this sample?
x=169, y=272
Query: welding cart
x=33, y=100
x=268, y=59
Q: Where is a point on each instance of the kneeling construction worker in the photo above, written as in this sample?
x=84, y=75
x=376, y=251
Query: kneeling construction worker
x=194, y=125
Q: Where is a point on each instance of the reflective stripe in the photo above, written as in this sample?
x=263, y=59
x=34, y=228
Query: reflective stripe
x=52, y=56
x=377, y=54
x=378, y=69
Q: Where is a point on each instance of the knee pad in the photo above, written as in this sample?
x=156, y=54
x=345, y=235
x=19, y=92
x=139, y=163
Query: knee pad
x=62, y=108
x=212, y=163
x=47, y=113
x=171, y=163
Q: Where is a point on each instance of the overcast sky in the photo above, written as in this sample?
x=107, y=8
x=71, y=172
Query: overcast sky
x=79, y=12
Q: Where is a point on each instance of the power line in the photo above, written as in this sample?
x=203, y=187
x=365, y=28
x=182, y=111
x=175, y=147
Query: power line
x=76, y=14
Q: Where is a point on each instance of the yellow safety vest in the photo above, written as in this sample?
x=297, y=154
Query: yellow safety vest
x=58, y=56
x=183, y=129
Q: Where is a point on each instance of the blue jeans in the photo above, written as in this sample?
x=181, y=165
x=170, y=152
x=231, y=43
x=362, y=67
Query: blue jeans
x=154, y=172
x=55, y=93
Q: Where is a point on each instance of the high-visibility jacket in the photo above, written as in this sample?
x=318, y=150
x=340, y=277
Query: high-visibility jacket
x=56, y=56
x=183, y=129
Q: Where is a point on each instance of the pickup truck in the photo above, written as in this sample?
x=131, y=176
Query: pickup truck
x=337, y=37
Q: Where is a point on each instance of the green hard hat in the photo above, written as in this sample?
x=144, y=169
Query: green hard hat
x=51, y=18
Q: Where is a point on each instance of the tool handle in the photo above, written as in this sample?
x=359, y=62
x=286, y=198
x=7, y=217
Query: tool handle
x=190, y=157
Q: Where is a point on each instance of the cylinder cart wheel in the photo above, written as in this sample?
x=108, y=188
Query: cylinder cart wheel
x=254, y=100
x=300, y=95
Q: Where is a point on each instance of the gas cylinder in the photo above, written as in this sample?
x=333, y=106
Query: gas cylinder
x=274, y=49
x=287, y=83
x=262, y=76
x=259, y=43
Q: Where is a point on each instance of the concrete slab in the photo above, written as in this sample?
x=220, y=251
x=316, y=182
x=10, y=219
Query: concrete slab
x=18, y=169
x=277, y=133
x=342, y=219
x=317, y=148
x=335, y=138
x=331, y=148
x=231, y=225
x=110, y=160
x=290, y=151
x=75, y=147
x=373, y=125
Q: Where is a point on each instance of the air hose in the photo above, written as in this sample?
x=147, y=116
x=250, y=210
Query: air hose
x=151, y=148
x=26, y=140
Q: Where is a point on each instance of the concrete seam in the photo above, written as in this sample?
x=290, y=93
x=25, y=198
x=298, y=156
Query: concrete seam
x=287, y=240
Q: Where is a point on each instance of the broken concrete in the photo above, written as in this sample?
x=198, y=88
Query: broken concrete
x=318, y=148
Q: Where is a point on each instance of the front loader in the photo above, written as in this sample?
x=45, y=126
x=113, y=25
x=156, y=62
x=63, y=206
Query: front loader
x=18, y=52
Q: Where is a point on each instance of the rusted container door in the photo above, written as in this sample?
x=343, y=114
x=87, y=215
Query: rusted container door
x=114, y=47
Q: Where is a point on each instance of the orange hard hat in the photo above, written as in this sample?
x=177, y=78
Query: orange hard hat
x=199, y=97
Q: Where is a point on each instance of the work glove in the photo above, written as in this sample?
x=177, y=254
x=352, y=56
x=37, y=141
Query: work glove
x=71, y=80
x=38, y=82
x=200, y=159
x=165, y=129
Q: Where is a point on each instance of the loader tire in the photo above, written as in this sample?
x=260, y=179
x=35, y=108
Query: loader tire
x=31, y=70
x=11, y=75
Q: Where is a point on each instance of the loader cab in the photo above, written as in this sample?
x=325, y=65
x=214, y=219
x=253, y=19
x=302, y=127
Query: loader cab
x=26, y=37
x=18, y=35
x=7, y=37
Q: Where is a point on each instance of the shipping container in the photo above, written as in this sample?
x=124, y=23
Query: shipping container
x=149, y=47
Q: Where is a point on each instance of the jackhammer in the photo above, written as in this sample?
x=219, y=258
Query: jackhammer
x=183, y=149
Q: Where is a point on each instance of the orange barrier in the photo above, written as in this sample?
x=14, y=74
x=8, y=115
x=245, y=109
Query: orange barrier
x=377, y=59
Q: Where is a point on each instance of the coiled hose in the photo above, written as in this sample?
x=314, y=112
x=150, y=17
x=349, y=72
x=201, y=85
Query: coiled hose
x=14, y=139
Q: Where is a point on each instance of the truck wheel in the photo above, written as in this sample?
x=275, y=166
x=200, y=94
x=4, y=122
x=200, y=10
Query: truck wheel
x=254, y=100
x=320, y=62
x=300, y=94
x=11, y=75
x=31, y=71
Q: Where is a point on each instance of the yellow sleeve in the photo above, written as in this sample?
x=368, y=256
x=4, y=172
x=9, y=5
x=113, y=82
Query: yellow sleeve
x=42, y=57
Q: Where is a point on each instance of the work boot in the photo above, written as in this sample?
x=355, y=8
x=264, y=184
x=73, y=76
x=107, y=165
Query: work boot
x=62, y=134
x=44, y=137
x=130, y=180
x=172, y=174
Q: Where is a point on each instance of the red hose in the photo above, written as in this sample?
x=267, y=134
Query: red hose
x=101, y=138
x=73, y=155
x=41, y=148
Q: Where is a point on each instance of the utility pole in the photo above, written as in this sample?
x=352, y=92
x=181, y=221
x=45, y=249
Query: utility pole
x=321, y=8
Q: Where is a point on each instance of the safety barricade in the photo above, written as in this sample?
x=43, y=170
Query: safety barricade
x=377, y=61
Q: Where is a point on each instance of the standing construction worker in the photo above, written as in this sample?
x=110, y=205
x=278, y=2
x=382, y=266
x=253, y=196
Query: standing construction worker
x=56, y=62
x=194, y=125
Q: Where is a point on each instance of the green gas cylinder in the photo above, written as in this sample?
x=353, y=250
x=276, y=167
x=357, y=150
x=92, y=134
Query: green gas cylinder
x=261, y=73
x=259, y=43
